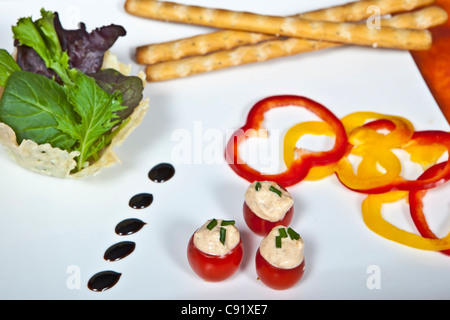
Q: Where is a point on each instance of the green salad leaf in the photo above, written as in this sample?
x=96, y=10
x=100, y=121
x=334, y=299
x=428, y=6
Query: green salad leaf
x=42, y=37
x=77, y=115
x=36, y=108
x=97, y=110
x=7, y=66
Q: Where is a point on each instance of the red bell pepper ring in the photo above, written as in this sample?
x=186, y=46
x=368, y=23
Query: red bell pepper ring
x=381, y=124
x=306, y=160
x=416, y=203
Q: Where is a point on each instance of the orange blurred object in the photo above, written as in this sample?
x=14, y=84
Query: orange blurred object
x=434, y=64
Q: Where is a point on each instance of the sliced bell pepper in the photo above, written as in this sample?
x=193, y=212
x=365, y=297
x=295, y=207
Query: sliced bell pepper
x=306, y=160
x=290, y=150
x=362, y=128
x=372, y=216
x=368, y=176
x=433, y=139
x=425, y=154
x=416, y=205
x=380, y=124
x=373, y=135
x=370, y=136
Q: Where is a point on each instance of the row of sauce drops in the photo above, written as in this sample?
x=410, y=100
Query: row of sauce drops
x=105, y=280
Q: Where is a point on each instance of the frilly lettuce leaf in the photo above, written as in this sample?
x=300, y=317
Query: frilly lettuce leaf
x=85, y=50
x=97, y=110
x=41, y=36
x=51, y=101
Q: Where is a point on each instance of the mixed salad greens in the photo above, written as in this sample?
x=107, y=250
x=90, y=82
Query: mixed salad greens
x=56, y=92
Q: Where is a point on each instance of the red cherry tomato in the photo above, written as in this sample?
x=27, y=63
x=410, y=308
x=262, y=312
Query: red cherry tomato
x=212, y=267
x=262, y=226
x=277, y=278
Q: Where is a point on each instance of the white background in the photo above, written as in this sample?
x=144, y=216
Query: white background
x=50, y=225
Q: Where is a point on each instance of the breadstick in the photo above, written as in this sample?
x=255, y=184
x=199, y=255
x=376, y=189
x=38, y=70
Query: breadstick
x=228, y=39
x=350, y=33
x=424, y=18
x=421, y=19
x=227, y=58
x=197, y=45
x=356, y=11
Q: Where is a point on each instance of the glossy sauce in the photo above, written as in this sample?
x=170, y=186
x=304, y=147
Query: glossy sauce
x=129, y=226
x=103, y=281
x=161, y=172
x=141, y=201
x=119, y=251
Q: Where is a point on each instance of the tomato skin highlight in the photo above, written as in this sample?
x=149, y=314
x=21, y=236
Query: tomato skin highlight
x=261, y=226
x=214, y=268
x=277, y=278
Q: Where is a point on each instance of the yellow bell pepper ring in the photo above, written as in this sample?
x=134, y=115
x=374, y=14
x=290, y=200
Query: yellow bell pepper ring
x=371, y=127
x=372, y=216
x=291, y=152
x=368, y=176
x=425, y=155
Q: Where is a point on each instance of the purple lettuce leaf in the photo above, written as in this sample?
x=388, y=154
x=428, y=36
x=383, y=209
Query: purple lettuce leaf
x=85, y=49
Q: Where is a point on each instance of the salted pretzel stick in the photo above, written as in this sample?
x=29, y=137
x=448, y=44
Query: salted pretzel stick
x=343, y=32
x=228, y=39
x=423, y=19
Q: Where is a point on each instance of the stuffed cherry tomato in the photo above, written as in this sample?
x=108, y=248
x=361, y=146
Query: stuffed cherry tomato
x=280, y=263
x=267, y=205
x=215, y=250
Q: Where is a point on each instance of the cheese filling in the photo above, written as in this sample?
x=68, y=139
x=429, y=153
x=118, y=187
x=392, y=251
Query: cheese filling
x=208, y=239
x=287, y=253
x=268, y=200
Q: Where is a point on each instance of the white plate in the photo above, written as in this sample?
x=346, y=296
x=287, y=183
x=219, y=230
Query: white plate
x=54, y=232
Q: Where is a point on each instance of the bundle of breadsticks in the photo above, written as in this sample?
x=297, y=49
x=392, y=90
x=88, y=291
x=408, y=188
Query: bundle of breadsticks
x=244, y=37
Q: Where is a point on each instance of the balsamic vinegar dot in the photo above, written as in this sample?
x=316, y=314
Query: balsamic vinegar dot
x=161, y=172
x=129, y=226
x=119, y=251
x=141, y=201
x=103, y=281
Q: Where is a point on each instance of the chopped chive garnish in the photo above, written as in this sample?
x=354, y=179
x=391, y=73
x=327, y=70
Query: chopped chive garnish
x=223, y=232
x=258, y=186
x=294, y=235
x=273, y=189
x=212, y=224
x=283, y=233
x=278, y=241
x=227, y=223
